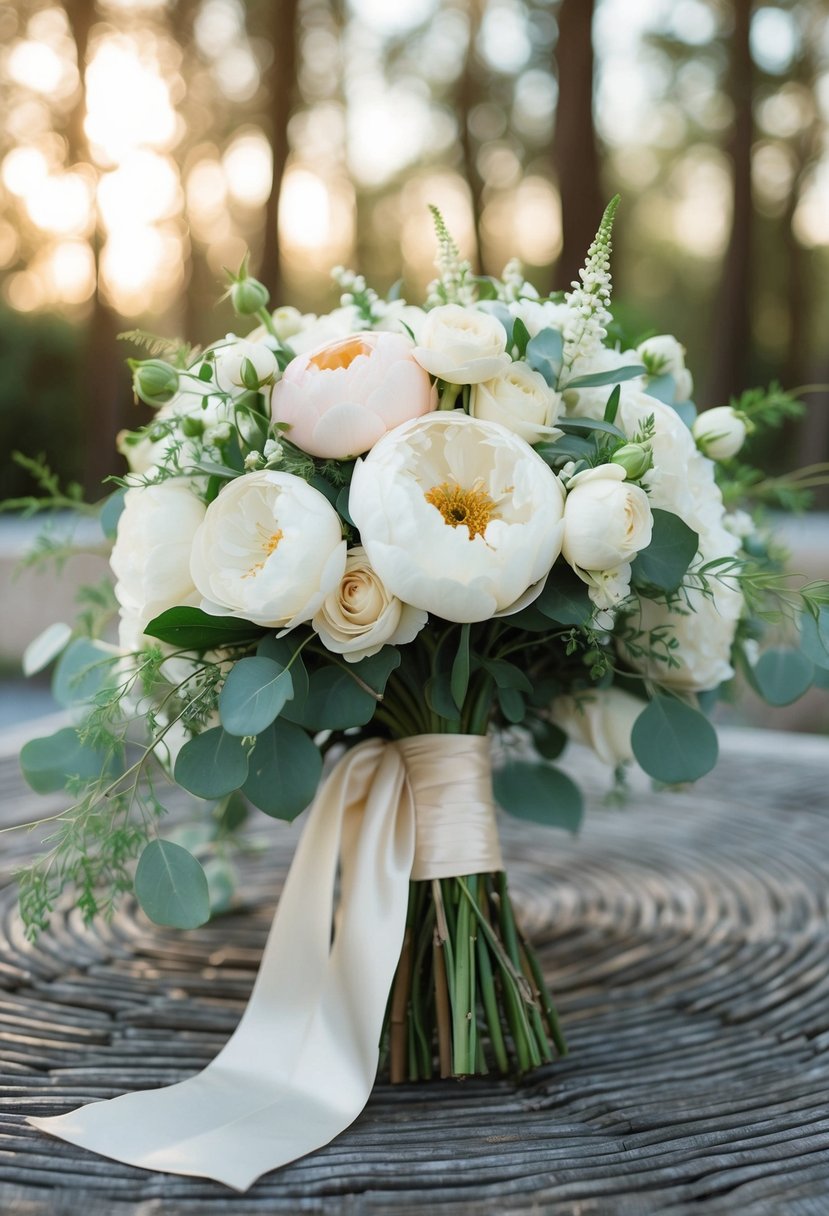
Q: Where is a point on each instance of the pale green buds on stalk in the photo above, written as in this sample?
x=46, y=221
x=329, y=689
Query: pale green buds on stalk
x=721, y=432
x=153, y=381
x=634, y=458
x=248, y=296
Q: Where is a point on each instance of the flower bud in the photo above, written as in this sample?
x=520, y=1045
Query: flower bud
x=153, y=381
x=634, y=458
x=248, y=296
x=721, y=432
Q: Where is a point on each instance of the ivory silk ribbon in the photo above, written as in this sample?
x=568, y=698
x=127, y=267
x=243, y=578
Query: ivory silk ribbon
x=301, y=1064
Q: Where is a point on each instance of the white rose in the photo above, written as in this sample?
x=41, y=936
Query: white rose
x=521, y=400
x=540, y=314
x=591, y=402
x=606, y=519
x=462, y=345
x=230, y=358
x=720, y=433
x=460, y=518
x=151, y=555
x=663, y=355
x=602, y=720
x=270, y=550
x=361, y=616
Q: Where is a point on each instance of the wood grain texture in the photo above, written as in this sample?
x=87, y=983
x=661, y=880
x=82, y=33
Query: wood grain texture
x=684, y=936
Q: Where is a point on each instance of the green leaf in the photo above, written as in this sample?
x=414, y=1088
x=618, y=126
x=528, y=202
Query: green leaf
x=212, y=764
x=564, y=598
x=171, y=886
x=84, y=669
x=814, y=636
x=672, y=549
x=512, y=704
x=687, y=412
x=221, y=884
x=544, y=354
x=192, y=629
x=283, y=651
x=111, y=512
x=612, y=407
x=459, y=680
x=45, y=647
x=674, y=742
x=584, y=425
x=520, y=337
x=550, y=740
x=505, y=674
x=285, y=769
x=49, y=763
x=438, y=693
x=253, y=695
x=598, y=379
x=500, y=311
x=540, y=793
x=567, y=447
x=663, y=388
x=342, y=505
x=782, y=675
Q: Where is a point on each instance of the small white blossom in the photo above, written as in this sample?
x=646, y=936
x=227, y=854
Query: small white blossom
x=589, y=301
x=253, y=460
x=272, y=451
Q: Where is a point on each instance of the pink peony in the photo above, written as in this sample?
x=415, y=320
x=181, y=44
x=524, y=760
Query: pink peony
x=340, y=398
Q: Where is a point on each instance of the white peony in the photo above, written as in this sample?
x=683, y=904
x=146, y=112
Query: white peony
x=360, y=616
x=720, y=433
x=601, y=719
x=521, y=400
x=233, y=355
x=663, y=355
x=540, y=314
x=591, y=402
x=606, y=519
x=314, y=331
x=270, y=550
x=462, y=345
x=459, y=517
x=151, y=555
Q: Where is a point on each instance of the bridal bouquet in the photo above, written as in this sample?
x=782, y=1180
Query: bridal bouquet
x=400, y=536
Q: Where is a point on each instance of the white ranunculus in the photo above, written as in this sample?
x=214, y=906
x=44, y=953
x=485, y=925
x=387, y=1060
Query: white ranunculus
x=601, y=719
x=230, y=357
x=663, y=355
x=361, y=616
x=462, y=345
x=460, y=518
x=606, y=519
x=540, y=314
x=591, y=402
x=151, y=555
x=521, y=400
x=270, y=550
x=720, y=433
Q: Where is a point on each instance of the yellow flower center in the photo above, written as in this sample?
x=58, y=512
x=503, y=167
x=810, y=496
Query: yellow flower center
x=471, y=509
x=340, y=354
x=270, y=541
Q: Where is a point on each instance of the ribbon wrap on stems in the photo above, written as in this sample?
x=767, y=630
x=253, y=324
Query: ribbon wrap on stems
x=301, y=1064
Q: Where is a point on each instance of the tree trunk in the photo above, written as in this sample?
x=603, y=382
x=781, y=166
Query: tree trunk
x=575, y=147
x=731, y=334
x=466, y=99
x=281, y=89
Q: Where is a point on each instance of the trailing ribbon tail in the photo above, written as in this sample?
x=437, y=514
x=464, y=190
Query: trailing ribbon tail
x=301, y=1064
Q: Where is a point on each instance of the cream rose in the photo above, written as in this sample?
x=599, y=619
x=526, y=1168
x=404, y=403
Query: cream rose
x=151, y=555
x=602, y=720
x=340, y=399
x=462, y=345
x=360, y=616
x=460, y=518
x=519, y=399
x=270, y=550
x=606, y=519
x=720, y=433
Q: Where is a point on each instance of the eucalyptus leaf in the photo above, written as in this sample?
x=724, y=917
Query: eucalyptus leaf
x=782, y=675
x=663, y=388
x=499, y=310
x=665, y=561
x=212, y=764
x=599, y=379
x=171, y=886
x=285, y=769
x=111, y=509
x=191, y=629
x=687, y=412
x=506, y=674
x=84, y=669
x=459, y=679
x=674, y=742
x=814, y=636
x=438, y=692
x=564, y=598
x=46, y=647
x=549, y=740
x=513, y=705
x=540, y=793
x=283, y=651
x=253, y=695
x=544, y=354
x=579, y=426
x=49, y=763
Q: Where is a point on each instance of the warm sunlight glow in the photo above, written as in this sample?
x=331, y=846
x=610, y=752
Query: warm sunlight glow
x=69, y=269
x=304, y=209
x=24, y=170
x=128, y=102
x=138, y=262
x=61, y=204
x=248, y=168
x=39, y=67
x=142, y=190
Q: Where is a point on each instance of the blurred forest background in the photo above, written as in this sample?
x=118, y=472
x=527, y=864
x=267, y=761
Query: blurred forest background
x=145, y=144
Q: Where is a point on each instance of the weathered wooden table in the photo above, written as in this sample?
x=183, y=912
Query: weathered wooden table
x=685, y=937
